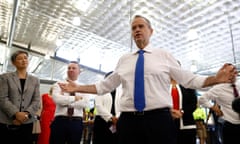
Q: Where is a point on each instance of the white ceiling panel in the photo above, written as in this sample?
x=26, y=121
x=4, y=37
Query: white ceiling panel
x=105, y=34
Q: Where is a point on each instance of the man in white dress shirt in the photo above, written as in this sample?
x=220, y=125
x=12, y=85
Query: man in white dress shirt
x=223, y=96
x=154, y=124
x=67, y=126
x=104, y=130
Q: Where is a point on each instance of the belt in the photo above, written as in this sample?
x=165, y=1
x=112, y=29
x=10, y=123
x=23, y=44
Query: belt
x=69, y=118
x=154, y=111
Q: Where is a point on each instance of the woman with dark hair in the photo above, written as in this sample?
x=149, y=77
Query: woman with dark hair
x=19, y=101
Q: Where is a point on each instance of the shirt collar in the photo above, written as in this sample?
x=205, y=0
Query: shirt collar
x=147, y=49
x=76, y=81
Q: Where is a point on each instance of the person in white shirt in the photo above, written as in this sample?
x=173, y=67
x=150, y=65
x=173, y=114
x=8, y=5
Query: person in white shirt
x=67, y=125
x=104, y=130
x=154, y=124
x=223, y=96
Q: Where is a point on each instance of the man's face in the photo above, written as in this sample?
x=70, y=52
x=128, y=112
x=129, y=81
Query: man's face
x=73, y=71
x=141, y=31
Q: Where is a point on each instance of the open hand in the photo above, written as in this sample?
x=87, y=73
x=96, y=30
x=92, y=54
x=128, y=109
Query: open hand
x=227, y=73
x=68, y=87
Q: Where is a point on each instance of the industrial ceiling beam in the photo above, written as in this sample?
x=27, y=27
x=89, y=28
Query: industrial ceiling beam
x=12, y=23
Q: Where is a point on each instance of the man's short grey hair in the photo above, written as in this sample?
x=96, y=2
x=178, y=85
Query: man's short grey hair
x=147, y=20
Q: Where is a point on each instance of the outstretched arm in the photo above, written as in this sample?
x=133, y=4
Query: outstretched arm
x=73, y=87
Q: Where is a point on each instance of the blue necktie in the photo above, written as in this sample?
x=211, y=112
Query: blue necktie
x=139, y=98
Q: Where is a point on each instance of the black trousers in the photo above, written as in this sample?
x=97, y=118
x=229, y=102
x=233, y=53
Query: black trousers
x=151, y=127
x=185, y=136
x=101, y=132
x=66, y=130
x=230, y=133
x=11, y=134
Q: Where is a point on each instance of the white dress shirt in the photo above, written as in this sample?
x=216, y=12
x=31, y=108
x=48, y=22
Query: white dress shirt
x=103, y=105
x=223, y=95
x=159, y=66
x=63, y=100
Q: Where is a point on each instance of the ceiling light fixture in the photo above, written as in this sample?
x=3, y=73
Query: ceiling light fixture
x=76, y=21
x=10, y=1
x=82, y=5
x=192, y=34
